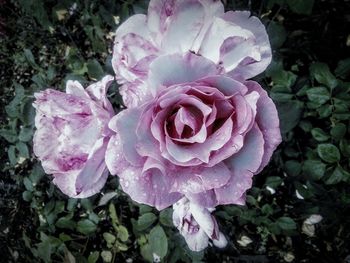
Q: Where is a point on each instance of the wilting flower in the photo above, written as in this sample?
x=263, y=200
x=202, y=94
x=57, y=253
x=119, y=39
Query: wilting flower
x=235, y=41
x=202, y=135
x=197, y=225
x=72, y=135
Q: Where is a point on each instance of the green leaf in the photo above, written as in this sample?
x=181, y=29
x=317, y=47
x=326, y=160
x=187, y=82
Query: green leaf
x=27, y=112
x=277, y=34
x=343, y=68
x=123, y=233
x=319, y=135
x=28, y=184
x=302, y=7
x=325, y=110
x=290, y=111
x=143, y=209
x=30, y=58
x=72, y=202
x=318, y=95
x=27, y=196
x=145, y=221
x=113, y=214
x=44, y=251
x=314, y=169
x=86, y=203
x=9, y=135
x=281, y=97
x=86, y=227
x=36, y=174
x=94, y=218
x=338, y=131
x=284, y=78
x=93, y=257
x=328, y=152
x=66, y=222
x=95, y=70
x=267, y=209
x=49, y=207
x=25, y=134
x=338, y=175
x=166, y=217
x=286, y=223
x=305, y=125
x=320, y=72
x=251, y=200
x=158, y=241
x=110, y=239
x=292, y=167
x=22, y=149
x=273, y=181
x=107, y=256
x=12, y=155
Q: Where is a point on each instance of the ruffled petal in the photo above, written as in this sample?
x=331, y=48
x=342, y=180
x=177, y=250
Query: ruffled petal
x=198, y=180
x=98, y=93
x=250, y=67
x=243, y=165
x=133, y=49
x=135, y=93
x=178, y=69
x=125, y=123
x=74, y=87
x=114, y=157
x=184, y=26
x=219, y=31
x=268, y=122
x=149, y=187
x=226, y=85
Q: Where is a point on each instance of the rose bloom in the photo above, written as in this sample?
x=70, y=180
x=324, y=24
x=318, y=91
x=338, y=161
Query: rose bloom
x=201, y=136
x=197, y=225
x=72, y=135
x=235, y=41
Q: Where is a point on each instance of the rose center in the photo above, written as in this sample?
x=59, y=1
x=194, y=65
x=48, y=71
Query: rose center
x=184, y=122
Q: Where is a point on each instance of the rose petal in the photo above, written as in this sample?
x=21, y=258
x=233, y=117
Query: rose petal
x=95, y=166
x=226, y=85
x=197, y=180
x=219, y=31
x=268, y=122
x=74, y=87
x=254, y=25
x=243, y=165
x=98, y=93
x=124, y=123
x=114, y=157
x=198, y=241
x=204, y=218
x=183, y=27
x=135, y=93
x=206, y=199
x=66, y=183
x=175, y=69
x=150, y=187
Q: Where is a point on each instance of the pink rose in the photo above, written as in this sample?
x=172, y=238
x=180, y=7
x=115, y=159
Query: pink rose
x=235, y=41
x=72, y=136
x=202, y=135
x=197, y=225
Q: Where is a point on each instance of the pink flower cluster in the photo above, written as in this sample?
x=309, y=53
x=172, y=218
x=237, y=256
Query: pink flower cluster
x=195, y=130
